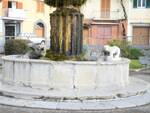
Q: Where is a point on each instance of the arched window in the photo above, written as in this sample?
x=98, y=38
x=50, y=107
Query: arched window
x=39, y=29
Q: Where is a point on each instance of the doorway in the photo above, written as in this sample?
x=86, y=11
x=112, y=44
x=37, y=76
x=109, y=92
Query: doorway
x=39, y=30
x=10, y=31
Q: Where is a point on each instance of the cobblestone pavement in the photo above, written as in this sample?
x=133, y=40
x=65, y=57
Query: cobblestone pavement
x=142, y=109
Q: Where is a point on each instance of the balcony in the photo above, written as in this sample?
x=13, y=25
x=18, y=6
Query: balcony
x=17, y=14
x=106, y=15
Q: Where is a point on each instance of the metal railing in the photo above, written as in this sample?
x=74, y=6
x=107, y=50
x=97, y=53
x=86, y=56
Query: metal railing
x=9, y=37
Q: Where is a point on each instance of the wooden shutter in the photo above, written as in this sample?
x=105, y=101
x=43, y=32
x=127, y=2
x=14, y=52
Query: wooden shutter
x=105, y=8
x=39, y=30
x=86, y=32
x=141, y=36
x=19, y=5
x=147, y=3
x=40, y=6
x=134, y=3
x=5, y=4
x=108, y=31
x=100, y=32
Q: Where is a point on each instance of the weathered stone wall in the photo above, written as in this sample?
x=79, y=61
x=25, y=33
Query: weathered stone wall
x=64, y=75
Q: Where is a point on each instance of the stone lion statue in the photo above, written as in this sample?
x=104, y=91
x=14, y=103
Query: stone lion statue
x=111, y=53
x=36, y=51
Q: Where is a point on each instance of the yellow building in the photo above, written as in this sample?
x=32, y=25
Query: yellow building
x=24, y=18
x=104, y=21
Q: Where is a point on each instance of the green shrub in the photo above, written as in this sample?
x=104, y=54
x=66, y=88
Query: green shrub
x=63, y=3
x=127, y=51
x=61, y=57
x=135, y=53
x=135, y=64
x=16, y=46
x=55, y=56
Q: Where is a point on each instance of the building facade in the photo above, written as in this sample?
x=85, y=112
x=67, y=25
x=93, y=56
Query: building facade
x=139, y=22
x=106, y=20
x=23, y=18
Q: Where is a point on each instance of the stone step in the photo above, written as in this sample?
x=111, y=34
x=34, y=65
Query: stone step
x=134, y=101
x=136, y=87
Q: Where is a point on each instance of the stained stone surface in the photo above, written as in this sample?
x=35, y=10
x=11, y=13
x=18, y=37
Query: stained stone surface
x=133, y=95
x=141, y=109
x=80, y=89
x=64, y=75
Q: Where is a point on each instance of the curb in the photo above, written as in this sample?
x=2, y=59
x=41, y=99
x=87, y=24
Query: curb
x=78, y=105
x=93, y=104
x=138, y=70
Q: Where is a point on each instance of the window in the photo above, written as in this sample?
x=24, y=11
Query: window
x=9, y=4
x=12, y=4
x=147, y=3
x=141, y=3
x=40, y=6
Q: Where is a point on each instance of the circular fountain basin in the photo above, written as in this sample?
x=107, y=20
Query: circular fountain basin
x=46, y=74
x=77, y=85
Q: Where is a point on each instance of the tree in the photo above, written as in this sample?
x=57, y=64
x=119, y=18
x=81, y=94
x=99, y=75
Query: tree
x=66, y=26
x=122, y=2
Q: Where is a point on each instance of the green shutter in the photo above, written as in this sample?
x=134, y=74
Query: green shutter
x=134, y=3
x=147, y=3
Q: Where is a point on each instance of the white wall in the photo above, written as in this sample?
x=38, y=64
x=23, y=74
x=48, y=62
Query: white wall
x=138, y=15
x=92, y=9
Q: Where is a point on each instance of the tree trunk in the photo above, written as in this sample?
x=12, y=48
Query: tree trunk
x=66, y=31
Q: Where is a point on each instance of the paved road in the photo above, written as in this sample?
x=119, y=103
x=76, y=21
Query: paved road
x=142, y=109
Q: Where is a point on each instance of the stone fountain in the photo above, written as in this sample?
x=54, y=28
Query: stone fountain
x=69, y=81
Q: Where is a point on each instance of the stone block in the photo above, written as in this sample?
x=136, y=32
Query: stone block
x=85, y=76
x=62, y=76
x=39, y=75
